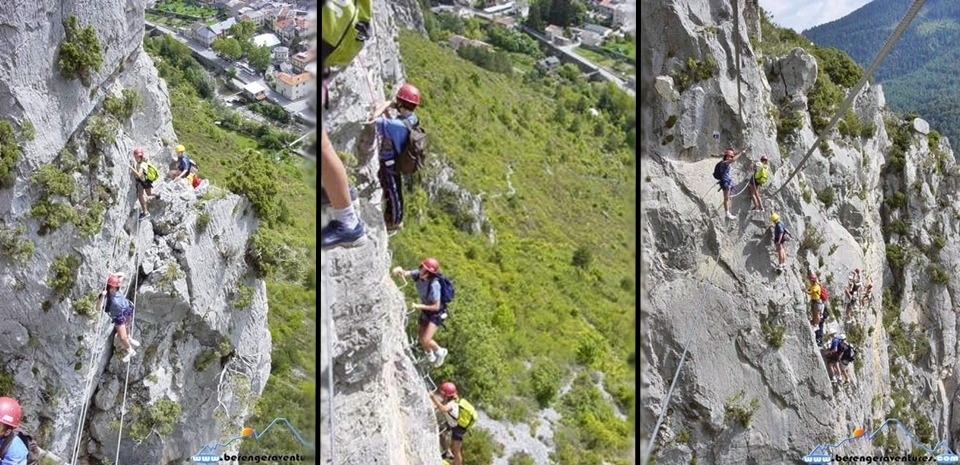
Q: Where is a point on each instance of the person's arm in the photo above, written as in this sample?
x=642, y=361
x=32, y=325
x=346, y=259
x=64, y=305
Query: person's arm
x=437, y=404
x=379, y=111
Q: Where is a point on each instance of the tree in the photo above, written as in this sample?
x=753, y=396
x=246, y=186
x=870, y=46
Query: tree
x=259, y=58
x=254, y=178
x=565, y=13
x=228, y=47
x=243, y=32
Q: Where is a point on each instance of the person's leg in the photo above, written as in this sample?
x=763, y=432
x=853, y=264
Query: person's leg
x=173, y=173
x=422, y=334
x=391, y=197
x=726, y=199
x=143, y=200
x=753, y=195
x=122, y=331
x=427, y=339
x=398, y=207
x=333, y=175
x=759, y=200
x=457, y=453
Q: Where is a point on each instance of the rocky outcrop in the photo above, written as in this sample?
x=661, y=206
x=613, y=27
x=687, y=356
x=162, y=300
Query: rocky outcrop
x=201, y=312
x=380, y=410
x=708, y=284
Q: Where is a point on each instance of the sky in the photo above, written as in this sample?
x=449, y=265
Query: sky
x=804, y=14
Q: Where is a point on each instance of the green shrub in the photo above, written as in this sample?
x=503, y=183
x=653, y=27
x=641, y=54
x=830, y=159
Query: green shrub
x=268, y=252
x=520, y=458
x=939, y=241
x=270, y=110
x=938, y=274
x=52, y=215
x=63, y=274
x=54, y=181
x=849, y=125
x=84, y=305
x=827, y=196
x=683, y=436
x=160, y=417
x=823, y=101
x=90, y=221
x=255, y=179
x=203, y=220
x=9, y=151
x=897, y=256
x=13, y=245
x=6, y=382
x=79, y=52
x=103, y=133
x=896, y=200
x=123, y=106
x=582, y=257
x=787, y=124
x=739, y=410
x=868, y=129
x=773, y=333
x=812, y=240
x=693, y=71
x=482, y=447
x=545, y=380
x=899, y=226
x=241, y=297
x=838, y=65
x=27, y=131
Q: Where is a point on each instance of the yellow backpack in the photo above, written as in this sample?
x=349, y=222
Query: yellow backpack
x=468, y=414
x=346, y=26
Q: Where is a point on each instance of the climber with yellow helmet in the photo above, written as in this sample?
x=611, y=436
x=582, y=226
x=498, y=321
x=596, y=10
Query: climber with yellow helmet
x=185, y=166
x=780, y=234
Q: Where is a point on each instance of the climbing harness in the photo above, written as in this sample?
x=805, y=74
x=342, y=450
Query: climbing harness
x=891, y=41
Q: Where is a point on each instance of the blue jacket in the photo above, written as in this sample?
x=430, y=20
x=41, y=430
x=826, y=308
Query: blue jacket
x=396, y=132
x=16, y=454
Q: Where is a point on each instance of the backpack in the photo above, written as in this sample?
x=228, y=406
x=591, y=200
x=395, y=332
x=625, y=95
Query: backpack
x=446, y=291
x=468, y=414
x=150, y=173
x=412, y=157
x=824, y=294
x=345, y=27
x=719, y=170
x=849, y=354
x=760, y=175
x=33, y=451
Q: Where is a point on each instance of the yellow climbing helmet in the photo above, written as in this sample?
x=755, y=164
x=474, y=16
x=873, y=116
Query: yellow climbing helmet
x=774, y=217
x=181, y=149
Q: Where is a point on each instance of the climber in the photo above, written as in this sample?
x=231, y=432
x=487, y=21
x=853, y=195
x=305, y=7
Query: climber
x=866, y=294
x=185, y=166
x=459, y=415
x=394, y=133
x=838, y=347
x=818, y=334
x=852, y=291
x=760, y=174
x=339, y=47
x=13, y=450
x=780, y=234
x=146, y=174
x=121, y=311
x=721, y=172
x=432, y=313
x=816, y=305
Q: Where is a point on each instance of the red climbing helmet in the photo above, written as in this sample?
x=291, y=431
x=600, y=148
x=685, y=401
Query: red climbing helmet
x=728, y=153
x=10, y=412
x=138, y=152
x=857, y=270
x=764, y=158
x=448, y=389
x=409, y=94
x=813, y=278
x=113, y=281
x=431, y=265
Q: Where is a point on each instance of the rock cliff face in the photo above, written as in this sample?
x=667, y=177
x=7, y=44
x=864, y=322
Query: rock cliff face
x=883, y=202
x=201, y=312
x=380, y=410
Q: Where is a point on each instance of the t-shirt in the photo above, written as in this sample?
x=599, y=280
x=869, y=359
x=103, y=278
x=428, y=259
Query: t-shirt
x=725, y=172
x=116, y=304
x=835, y=343
x=16, y=454
x=778, y=230
x=142, y=169
x=814, y=291
x=429, y=290
x=394, y=130
x=454, y=414
x=183, y=163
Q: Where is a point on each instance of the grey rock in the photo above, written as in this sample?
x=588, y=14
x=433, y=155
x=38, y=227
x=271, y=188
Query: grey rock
x=664, y=86
x=921, y=126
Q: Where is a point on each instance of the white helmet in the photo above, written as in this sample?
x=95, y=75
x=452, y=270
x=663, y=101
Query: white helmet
x=843, y=337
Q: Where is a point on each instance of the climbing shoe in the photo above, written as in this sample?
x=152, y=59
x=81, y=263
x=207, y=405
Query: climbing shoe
x=133, y=342
x=143, y=215
x=730, y=216
x=324, y=200
x=441, y=354
x=336, y=233
x=130, y=353
x=431, y=357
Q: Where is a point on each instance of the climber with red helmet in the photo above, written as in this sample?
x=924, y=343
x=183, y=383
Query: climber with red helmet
x=394, y=134
x=721, y=172
x=13, y=451
x=121, y=312
x=761, y=171
x=145, y=174
x=432, y=313
x=459, y=415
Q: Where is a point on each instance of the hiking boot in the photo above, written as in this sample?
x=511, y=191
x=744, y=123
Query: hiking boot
x=324, y=200
x=130, y=353
x=431, y=357
x=730, y=216
x=441, y=354
x=133, y=342
x=143, y=215
x=336, y=233
x=394, y=226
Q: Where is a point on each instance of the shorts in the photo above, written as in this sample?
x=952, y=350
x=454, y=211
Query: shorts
x=725, y=185
x=433, y=317
x=457, y=433
x=145, y=184
x=123, y=317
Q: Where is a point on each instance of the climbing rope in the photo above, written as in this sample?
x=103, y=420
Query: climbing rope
x=126, y=381
x=737, y=46
x=891, y=41
x=95, y=356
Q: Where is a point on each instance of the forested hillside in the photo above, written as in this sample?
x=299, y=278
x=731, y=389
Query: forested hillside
x=544, y=314
x=920, y=73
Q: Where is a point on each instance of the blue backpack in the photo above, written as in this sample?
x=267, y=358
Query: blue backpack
x=446, y=291
x=720, y=169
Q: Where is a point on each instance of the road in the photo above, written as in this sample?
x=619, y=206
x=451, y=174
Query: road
x=569, y=51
